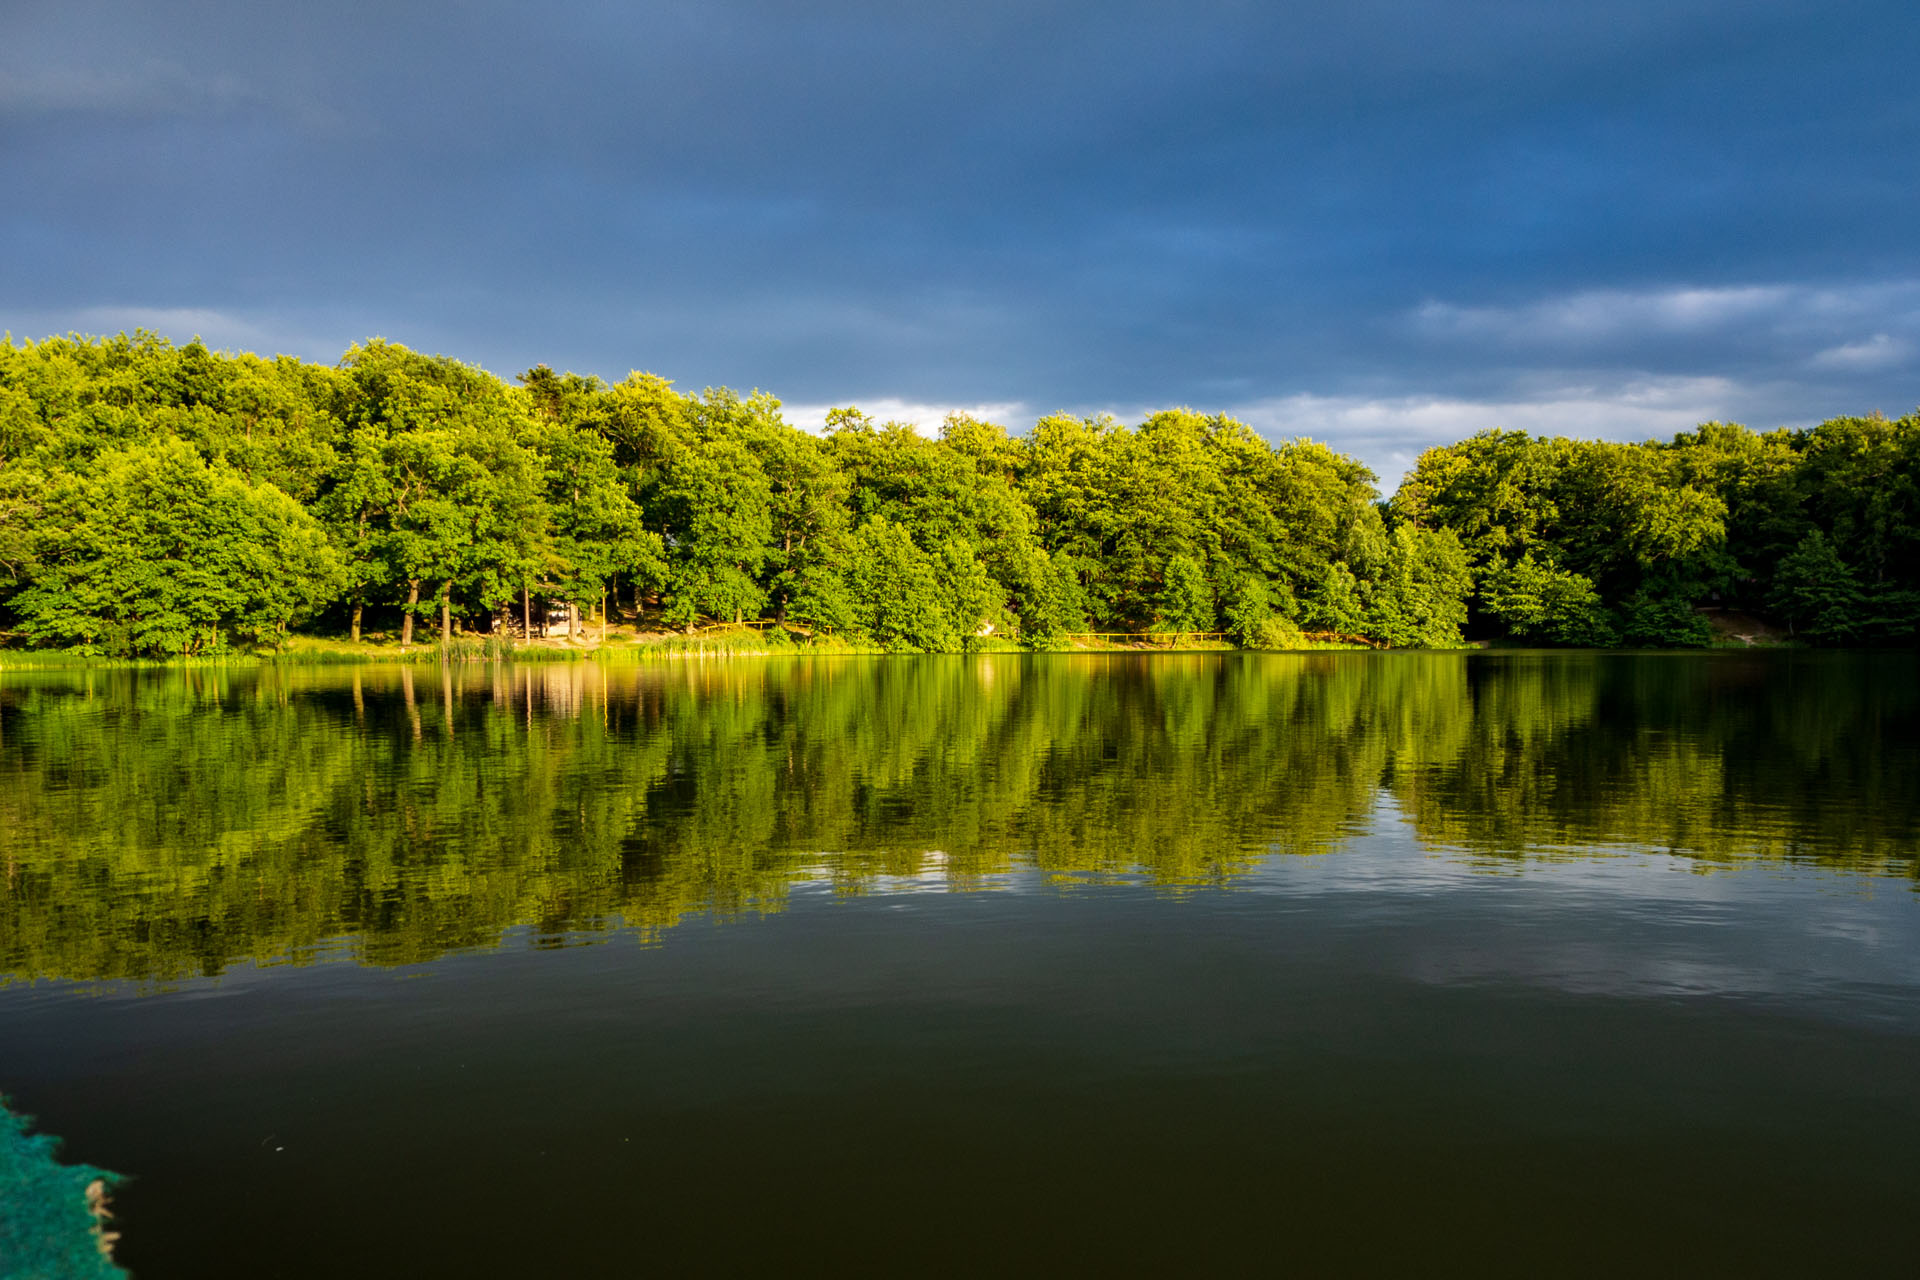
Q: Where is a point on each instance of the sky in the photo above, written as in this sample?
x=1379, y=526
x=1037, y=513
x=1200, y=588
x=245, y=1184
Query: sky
x=1379, y=223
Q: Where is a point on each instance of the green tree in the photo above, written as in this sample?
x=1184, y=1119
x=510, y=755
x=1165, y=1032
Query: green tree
x=1419, y=598
x=597, y=531
x=807, y=551
x=897, y=597
x=717, y=509
x=439, y=495
x=1249, y=606
x=1536, y=601
x=1334, y=603
x=156, y=552
x=1816, y=592
x=1052, y=602
x=465, y=513
x=1661, y=614
x=1186, y=597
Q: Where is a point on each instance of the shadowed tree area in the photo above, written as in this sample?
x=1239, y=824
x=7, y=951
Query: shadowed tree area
x=1593, y=543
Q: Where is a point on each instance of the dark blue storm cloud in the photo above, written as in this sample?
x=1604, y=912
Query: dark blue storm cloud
x=1382, y=223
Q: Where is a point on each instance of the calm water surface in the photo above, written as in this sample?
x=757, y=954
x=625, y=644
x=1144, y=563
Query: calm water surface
x=1463, y=963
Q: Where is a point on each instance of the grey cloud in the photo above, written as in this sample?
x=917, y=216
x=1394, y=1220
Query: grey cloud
x=1880, y=351
x=153, y=88
x=1374, y=207
x=161, y=90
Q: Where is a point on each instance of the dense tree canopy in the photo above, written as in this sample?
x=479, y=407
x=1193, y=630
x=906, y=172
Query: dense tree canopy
x=162, y=500
x=1590, y=542
x=154, y=549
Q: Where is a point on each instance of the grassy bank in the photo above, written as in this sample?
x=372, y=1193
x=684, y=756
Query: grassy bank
x=621, y=644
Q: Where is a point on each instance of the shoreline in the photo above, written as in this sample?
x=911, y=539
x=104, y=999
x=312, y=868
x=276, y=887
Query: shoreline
x=640, y=654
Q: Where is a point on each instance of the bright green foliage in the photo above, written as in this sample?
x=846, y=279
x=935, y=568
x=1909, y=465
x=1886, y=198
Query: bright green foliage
x=354, y=509
x=65, y=400
x=714, y=504
x=22, y=507
x=157, y=552
x=1275, y=632
x=1120, y=503
x=1249, y=606
x=442, y=480
x=992, y=450
x=1555, y=529
x=1538, y=602
x=1334, y=603
x=596, y=531
x=1419, y=598
x=947, y=493
x=1052, y=602
x=1186, y=597
x=808, y=546
x=970, y=599
x=1496, y=491
x=897, y=598
x=443, y=491
x=716, y=508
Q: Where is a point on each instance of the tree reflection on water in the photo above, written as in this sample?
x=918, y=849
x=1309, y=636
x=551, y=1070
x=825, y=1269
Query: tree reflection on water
x=165, y=824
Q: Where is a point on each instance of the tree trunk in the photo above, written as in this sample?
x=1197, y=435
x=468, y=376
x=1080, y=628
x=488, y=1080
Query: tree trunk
x=526, y=613
x=446, y=614
x=603, y=616
x=573, y=621
x=359, y=604
x=406, y=619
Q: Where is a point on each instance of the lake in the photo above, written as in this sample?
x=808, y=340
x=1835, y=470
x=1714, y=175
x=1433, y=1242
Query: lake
x=1489, y=962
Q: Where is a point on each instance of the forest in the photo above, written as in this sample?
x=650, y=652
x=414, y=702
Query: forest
x=159, y=500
